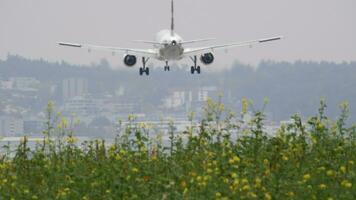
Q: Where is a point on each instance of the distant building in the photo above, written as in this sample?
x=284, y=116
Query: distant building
x=6, y=85
x=80, y=105
x=32, y=127
x=10, y=126
x=195, y=97
x=22, y=83
x=74, y=87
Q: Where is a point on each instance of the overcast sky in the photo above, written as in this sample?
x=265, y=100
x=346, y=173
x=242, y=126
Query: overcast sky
x=314, y=29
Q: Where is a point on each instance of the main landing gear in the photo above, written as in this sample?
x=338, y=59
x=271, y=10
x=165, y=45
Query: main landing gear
x=144, y=69
x=194, y=68
x=166, y=68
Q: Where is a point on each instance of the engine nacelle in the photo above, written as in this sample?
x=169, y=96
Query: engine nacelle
x=207, y=58
x=130, y=60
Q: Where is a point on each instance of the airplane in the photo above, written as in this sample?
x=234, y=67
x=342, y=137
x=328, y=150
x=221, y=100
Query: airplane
x=169, y=46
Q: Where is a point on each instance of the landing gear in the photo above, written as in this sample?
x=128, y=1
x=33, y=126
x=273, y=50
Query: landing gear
x=194, y=68
x=144, y=69
x=166, y=68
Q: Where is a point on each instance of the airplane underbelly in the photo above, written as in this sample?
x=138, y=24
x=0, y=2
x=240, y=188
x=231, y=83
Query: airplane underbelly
x=171, y=53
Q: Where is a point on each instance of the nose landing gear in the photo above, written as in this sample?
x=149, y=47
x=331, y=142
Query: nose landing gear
x=194, y=68
x=166, y=68
x=144, y=69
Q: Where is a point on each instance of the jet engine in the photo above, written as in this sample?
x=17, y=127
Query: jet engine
x=207, y=58
x=130, y=60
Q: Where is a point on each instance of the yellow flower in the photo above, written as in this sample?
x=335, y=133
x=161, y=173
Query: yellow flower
x=258, y=182
x=343, y=169
x=268, y=196
x=266, y=162
x=346, y=184
x=290, y=194
x=321, y=168
x=218, y=194
x=285, y=158
x=244, y=181
x=122, y=152
x=306, y=177
x=246, y=187
x=71, y=140
x=322, y=186
x=330, y=173
x=233, y=175
x=183, y=184
x=236, y=159
x=117, y=157
x=135, y=170
x=245, y=105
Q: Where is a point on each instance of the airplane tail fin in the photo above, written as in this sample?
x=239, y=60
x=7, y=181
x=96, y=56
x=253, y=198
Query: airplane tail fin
x=172, y=16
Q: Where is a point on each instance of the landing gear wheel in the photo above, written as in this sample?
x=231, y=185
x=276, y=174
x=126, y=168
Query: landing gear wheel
x=198, y=69
x=195, y=67
x=166, y=68
x=192, y=69
x=144, y=69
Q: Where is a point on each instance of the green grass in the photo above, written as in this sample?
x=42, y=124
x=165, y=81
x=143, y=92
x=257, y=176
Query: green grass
x=312, y=160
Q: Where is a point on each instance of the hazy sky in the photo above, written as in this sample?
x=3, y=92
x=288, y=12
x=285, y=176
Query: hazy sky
x=314, y=29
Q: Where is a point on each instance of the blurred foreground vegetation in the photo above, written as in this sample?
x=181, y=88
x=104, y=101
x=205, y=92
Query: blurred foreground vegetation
x=224, y=157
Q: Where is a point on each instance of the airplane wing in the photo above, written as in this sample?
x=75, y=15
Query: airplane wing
x=146, y=52
x=190, y=51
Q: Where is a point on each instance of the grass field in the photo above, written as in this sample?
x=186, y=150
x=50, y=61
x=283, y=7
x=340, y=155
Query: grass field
x=315, y=159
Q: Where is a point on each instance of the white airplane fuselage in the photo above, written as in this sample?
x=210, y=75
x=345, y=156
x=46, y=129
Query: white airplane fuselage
x=170, y=46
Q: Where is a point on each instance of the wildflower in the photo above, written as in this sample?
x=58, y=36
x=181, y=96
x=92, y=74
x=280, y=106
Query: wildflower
x=218, y=194
x=244, y=181
x=183, y=184
x=246, y=187
x=252, y=195
x=322, y=186
x=71, y=140
x=321, y=168
x=34, y=197
x=290, y=194
x=306, y=177
x=343, y=169
x=122, y=152
x=285, y=158
x=135, y=170
x=351, y=162
x=245, y=105
x=193, y=174
x=233, y=175
x=330, y=173
x=258, y=182
x=346, y=184
x=266, y=162
x=117, y=157
x=268, y=196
